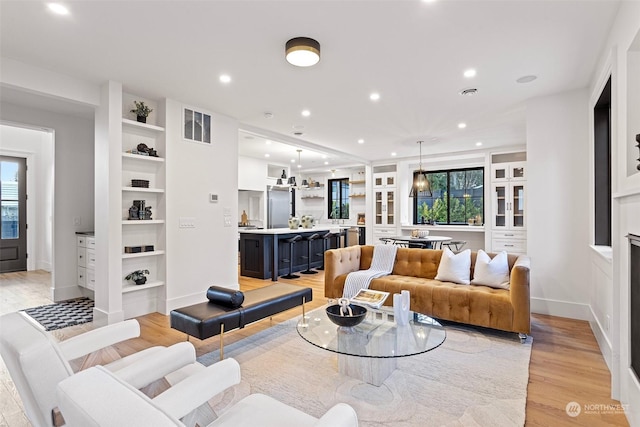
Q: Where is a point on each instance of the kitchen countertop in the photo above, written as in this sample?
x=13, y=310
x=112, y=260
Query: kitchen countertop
x=274, y=231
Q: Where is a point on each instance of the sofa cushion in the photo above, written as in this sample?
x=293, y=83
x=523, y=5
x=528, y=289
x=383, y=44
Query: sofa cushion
x=491, y=272
x=455, y=267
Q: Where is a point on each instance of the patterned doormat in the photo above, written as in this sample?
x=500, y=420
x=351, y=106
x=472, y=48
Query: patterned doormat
x=63, y=314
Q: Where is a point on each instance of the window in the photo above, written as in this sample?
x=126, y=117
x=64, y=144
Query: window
x=457, y=196
x=339, y=198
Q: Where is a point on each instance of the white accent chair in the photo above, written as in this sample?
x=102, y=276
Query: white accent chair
x=96, y=397
x=37, y=362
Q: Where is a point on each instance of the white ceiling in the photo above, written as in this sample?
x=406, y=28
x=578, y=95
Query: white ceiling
x=412, y=52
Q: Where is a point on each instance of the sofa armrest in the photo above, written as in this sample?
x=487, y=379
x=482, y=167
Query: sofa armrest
x=99, y=338
x=520, y=295
x=340, y=415
x=195, y=390
x=336, y=263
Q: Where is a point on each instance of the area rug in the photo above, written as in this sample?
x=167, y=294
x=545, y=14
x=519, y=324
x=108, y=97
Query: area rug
x=478, y=377
x=63, y=314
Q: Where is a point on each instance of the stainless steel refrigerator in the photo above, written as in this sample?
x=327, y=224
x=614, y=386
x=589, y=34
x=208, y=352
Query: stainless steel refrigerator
x=278, y=207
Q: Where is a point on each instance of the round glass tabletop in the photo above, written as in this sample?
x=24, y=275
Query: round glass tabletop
x=377, y=336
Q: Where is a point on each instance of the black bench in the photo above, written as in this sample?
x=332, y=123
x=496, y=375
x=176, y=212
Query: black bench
x=206, y=319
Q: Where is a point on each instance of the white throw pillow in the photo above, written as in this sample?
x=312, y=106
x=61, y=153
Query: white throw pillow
x=491, y=272
x=455, y=268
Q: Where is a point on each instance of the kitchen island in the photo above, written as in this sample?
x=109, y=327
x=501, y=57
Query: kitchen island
x=262, y=251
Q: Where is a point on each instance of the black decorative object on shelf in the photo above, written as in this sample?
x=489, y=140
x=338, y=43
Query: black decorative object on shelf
x=139, y=211
x=140, y=183
x=638, y=145
x=142, y=148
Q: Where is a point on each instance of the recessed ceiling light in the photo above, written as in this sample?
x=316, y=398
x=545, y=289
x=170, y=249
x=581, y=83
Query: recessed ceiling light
x=527, y=79
x=462, y=125
x=268, y=142
x=293, y=160
x=306, y=113
x=267, y=155
x=374, y=96
x=225, y=78
x=361, y=141
x=326, y=163
x=299, y=166
x=58, y=8
x=478, y=144
x=324, y=156
x=394, y=154
x=470, y=73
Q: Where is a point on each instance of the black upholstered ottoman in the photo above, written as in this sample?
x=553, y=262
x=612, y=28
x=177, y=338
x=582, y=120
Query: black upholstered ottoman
x=205, y=320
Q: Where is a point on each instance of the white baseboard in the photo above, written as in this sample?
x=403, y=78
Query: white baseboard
x=184, y=301
x=44, y=265
x=603, y=341
x=64, y=293
x=572, y=310
x=102, y=318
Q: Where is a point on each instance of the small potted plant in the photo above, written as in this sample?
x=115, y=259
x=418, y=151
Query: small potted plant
x=138, y=276
x=142, y=111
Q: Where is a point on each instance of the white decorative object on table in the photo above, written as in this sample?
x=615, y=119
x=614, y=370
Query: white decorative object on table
x=294, y=223
x=423, y=233
x=401, y=304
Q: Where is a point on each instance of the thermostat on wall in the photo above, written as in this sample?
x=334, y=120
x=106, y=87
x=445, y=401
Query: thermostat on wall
x=213, y=198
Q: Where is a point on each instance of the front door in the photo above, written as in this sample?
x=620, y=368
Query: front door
x=13, y=205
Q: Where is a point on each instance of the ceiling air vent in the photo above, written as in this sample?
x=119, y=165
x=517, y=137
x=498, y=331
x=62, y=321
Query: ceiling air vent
x=469, y=91
x=298, y=133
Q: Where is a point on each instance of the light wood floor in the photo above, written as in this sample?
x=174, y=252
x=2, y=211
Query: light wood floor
x=566, y=363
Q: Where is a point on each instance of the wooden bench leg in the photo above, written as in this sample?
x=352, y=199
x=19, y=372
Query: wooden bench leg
x=221, y=341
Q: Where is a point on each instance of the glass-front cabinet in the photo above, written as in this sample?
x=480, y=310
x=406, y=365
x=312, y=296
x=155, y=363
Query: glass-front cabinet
x=384, y=207
x=513, y=171
x=384, y=179
x=509, y=205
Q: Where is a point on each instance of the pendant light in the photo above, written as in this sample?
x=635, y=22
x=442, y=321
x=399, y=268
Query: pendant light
x=421, y=185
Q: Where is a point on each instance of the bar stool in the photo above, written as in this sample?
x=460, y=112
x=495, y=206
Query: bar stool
x=325, y=240
x=292, y=242
x=309, y=239
x=454, y=245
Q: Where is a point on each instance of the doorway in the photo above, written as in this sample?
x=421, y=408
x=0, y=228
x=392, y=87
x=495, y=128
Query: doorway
x=13, y=209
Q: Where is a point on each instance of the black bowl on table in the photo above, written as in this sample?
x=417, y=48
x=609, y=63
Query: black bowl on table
x=359, y=313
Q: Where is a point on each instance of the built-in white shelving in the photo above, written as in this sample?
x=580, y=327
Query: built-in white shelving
x=143, y=189
x=142, y=254
x=148, y=285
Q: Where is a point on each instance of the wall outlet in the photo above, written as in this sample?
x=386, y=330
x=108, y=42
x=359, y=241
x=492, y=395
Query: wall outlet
x=213, y=198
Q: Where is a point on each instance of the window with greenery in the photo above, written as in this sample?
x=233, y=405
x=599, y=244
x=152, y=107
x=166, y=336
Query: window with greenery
x=339, y=198
x=456, y=196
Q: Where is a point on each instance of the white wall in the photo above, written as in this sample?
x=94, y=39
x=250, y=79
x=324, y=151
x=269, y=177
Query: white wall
x=558, y=204
x=73, y=187
x=618, y=58
x=37, y=147
x=207, y=254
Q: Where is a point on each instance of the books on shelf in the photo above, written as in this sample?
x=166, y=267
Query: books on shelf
x=370, y=297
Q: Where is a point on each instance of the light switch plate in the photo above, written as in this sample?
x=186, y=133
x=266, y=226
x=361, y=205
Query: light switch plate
x=187, y=222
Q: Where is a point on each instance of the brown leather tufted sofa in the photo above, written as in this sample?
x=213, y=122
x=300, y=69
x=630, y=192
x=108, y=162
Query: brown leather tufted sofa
x=414, y=270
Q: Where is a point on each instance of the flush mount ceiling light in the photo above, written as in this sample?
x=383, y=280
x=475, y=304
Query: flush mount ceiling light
x=302, y=52
x=421, y=185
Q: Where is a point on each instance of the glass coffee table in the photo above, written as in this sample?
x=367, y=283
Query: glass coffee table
x=370, y=350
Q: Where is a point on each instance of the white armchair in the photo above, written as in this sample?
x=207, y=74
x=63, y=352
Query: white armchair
x=96, y=397
x=37, y=362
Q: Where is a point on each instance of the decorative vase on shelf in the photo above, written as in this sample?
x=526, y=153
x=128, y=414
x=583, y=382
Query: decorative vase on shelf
x=401, y=304
x=294, y=223
x=141, y=281
x=142, y=119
